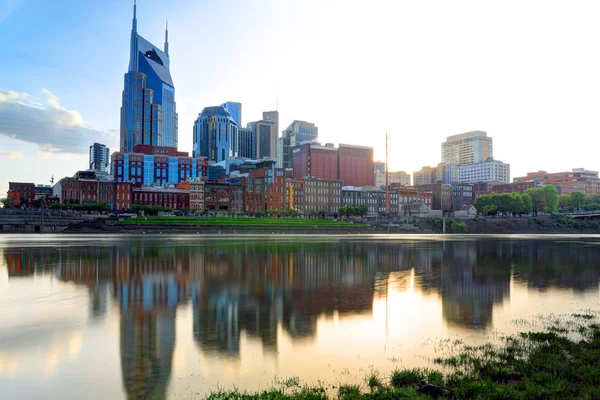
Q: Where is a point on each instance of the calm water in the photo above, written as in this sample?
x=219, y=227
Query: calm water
x=156, y=317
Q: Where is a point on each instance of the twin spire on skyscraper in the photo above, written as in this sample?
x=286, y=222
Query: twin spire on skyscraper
x=133, y=48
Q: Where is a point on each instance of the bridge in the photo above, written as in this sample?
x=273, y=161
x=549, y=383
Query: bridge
x=583, y=215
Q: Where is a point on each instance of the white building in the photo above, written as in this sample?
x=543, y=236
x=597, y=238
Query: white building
x=399, y=177
x=489, y=171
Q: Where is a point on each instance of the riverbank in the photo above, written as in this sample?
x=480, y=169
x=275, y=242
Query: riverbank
x=183, y=225
x=561, y=361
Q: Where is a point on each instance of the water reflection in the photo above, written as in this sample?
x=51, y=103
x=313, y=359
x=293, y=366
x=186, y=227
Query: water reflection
x=265, y=289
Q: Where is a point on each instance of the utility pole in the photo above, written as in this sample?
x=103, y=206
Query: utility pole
x=42, y=216
x=387, y=172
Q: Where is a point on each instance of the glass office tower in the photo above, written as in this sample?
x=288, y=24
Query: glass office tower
x=148, y=113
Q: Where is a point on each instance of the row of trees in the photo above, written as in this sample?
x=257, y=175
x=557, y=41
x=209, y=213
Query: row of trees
x=534, y=200
x=359, y=211
x=578, y=201
x=505, y=203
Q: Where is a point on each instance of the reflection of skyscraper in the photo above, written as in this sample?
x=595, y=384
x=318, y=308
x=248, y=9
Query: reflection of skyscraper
x=147, y=344
x=148, y=113
x=475, y=276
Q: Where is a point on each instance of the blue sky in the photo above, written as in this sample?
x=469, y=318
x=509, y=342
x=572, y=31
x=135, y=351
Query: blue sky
x=527, y=73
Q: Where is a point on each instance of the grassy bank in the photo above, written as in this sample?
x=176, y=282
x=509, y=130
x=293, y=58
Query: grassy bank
x=226, y=221
x=561, y=361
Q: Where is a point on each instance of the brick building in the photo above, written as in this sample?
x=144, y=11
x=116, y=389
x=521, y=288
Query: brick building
x=373, y=198
x=519, y=187
x=312, y=159
x=353, y=165
x=217, y=196
x=173, y=198
x=442, y=195
x=577, y=180
x=196, y=189
x=309, y=194
x=16, y=190
x=462, y=195
x=83, y=189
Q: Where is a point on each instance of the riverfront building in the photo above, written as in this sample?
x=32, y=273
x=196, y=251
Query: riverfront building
x=148, y=112
x=147, y=165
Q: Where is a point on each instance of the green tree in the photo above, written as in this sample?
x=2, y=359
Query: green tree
x=527, y=206
x=564, y=201
x=537, y=199
x=342, y=211
x=550, y=198
x=516, y=204
x=491, y=209
x=5, y=202
x=362, y=210
x=577, y=200
x=481, y=202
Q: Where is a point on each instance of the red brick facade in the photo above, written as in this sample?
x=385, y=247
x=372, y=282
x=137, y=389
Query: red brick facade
x=175, y=199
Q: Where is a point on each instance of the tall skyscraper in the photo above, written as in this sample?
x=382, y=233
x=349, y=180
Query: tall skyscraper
x=273, y=116
x=148, y=112
x=99, y=157
x=246, y=147
x=215, y=135
x=467, y=148
x=266, y=138
x=235, y=110
x=295, y=134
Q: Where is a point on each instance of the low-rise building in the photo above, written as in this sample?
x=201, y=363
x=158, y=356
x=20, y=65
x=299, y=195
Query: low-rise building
x=442, y=195
x=196, y=189
x=166, y=197
x=462, y=195
x=217, y=196
x=373, y=198
x=519, y=187
x=577, y=180
x=18, y=190
x=309, y=195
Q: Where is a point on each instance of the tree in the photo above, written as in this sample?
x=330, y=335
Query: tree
x=342, y=211
x=550, y=195
x=362, y=210
x=24, y=201
x=492, y=209
x=527, y=206
x=516, y=204
x=537, y=201
x=577, y=200
x=5, y=202
x=564, y=201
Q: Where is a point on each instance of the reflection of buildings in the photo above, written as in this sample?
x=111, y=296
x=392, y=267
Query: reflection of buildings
x=260, y=289
x=475, y=276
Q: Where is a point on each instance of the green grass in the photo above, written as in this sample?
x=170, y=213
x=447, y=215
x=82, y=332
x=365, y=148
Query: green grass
x=226, y=221
x=561, y=361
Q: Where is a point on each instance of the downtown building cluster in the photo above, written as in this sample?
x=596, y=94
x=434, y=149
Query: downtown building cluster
x=255, y=168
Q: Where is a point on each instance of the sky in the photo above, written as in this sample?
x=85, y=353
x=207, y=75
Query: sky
x=528, y=73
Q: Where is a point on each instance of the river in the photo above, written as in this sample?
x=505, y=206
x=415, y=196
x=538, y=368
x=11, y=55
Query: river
x=104, y=317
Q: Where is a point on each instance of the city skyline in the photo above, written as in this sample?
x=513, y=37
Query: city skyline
x=475, y=81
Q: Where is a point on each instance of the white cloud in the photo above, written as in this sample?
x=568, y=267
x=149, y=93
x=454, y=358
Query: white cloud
x=46, y=123
x=11, y=154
